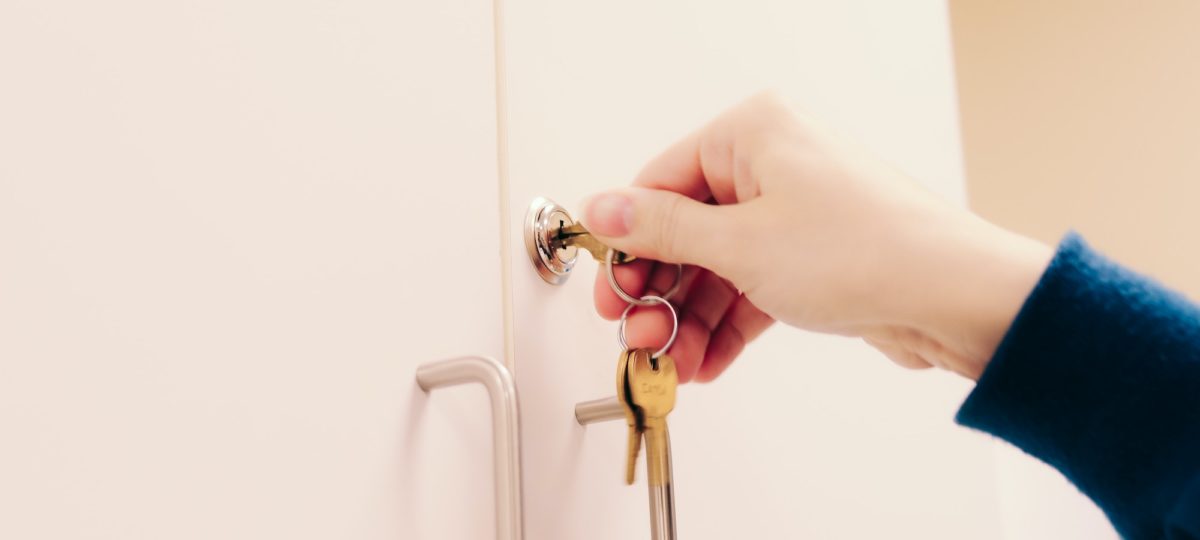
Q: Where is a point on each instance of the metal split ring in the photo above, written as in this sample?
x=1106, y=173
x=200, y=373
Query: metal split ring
x=616, y=287
x=650, y=300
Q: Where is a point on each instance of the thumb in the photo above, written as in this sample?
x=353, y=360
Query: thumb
x=659, y=225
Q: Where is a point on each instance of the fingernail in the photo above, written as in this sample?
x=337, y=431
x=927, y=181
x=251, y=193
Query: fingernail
x=609, y=214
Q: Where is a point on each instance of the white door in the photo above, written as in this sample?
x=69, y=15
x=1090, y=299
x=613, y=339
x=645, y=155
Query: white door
x=229, y=232
x=806, y=436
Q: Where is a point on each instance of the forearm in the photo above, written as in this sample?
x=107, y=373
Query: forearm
x=1099, y=376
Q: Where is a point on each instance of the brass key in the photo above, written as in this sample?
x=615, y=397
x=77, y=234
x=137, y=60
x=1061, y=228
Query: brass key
x=653, y=390
x=632, y=415
x=578, y=236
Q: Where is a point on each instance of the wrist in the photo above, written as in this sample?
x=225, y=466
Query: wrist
x=977, y=278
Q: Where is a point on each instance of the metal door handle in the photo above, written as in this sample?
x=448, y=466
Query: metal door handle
x=506, y=431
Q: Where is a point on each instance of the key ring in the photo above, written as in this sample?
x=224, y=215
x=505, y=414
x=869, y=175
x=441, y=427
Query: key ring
x=649, y=300
x=616, y=287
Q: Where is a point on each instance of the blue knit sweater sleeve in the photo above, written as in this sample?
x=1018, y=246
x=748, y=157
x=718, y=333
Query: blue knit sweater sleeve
x=1099, y=376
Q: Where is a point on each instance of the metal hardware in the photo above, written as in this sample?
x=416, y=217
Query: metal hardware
x=662, y=498
x=616, y=287
x=598, y=410
x=649, y=300
x=578, y=236
x=553, y=239
x=542, y=224
x=506, y=432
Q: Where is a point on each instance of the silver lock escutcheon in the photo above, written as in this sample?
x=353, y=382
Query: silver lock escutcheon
x=542, y=223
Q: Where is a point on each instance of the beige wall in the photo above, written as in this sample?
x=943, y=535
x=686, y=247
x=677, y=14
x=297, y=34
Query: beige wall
x=1084, y=114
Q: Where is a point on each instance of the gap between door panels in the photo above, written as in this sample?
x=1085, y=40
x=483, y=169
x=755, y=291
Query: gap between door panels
x=504, y=227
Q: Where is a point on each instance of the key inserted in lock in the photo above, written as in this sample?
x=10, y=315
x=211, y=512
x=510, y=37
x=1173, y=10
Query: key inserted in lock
x=553, y=239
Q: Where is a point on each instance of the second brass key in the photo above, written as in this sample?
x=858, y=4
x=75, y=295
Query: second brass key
x=652, y=390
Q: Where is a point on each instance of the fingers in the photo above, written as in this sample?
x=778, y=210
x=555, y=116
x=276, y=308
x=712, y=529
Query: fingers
x=691, y=168
x=715, y=325
x=661, y=225
x=666, y=217
x=712, y=163
x=709, y=299
x=632, y=278
x=741, y=324
x=703, y=299
x=664, y=276
x=651, y=327
x=689, y=348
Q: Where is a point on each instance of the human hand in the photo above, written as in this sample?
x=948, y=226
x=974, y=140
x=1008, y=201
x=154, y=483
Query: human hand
x=775, y=218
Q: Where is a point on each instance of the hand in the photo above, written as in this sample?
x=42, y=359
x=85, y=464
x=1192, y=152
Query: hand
x=776, y=219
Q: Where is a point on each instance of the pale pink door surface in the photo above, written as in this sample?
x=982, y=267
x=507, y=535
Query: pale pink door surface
x=229, y=232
